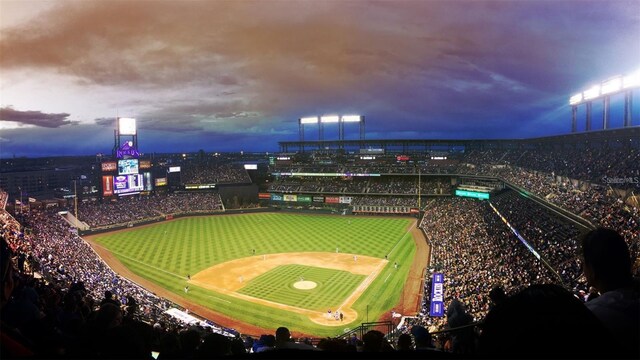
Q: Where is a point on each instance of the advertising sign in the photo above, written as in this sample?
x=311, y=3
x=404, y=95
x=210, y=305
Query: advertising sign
x=437, y=295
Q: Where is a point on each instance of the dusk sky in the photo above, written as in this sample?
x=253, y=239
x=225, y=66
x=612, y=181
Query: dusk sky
x=237, y=75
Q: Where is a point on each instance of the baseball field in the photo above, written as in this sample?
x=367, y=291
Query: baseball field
x=256, y=272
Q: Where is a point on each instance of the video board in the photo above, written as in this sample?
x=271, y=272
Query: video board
x=127, y=166
x=127, y=184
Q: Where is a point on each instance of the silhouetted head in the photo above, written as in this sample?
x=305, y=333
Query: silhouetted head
x=282, y=334
x=606, y=259
x=543, y=320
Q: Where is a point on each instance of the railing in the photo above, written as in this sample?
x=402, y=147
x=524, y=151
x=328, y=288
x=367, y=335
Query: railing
x=385, y=327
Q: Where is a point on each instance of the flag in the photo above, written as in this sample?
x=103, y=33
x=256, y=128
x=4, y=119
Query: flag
x=32, y=200
x=18, y=202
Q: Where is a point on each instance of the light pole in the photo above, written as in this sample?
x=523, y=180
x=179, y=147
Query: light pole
x=20, y=189
x=75, y=202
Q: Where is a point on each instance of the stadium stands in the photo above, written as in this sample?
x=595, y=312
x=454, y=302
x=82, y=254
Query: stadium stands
x=469, y=241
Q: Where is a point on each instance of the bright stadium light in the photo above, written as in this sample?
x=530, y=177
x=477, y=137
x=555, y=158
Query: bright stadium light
x=309, y=120
x=632, y=80
x=575, y=99
x=330, y=119
x=127, y=126
x=351, y=118
x=592, y=93
x=611, y=85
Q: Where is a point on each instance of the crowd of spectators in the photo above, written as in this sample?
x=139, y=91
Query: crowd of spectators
x=554, y=239
x=204, y=173
x=131, y=209
x=384, y=185
x=580, y=180
x=60, y=288
x=476, y=252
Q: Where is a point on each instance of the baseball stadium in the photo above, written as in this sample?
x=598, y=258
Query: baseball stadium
x=332, y=244
x=432, y=189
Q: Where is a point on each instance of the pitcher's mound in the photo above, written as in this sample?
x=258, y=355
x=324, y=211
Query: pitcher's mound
x=305, y=285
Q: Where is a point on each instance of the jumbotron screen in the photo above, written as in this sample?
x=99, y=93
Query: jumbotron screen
x=127, y=166
x=127, y=184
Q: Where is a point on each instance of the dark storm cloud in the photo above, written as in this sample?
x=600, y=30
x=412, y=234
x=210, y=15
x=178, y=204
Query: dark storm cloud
x=108, y=121
x=462, y=68
x=36, y=118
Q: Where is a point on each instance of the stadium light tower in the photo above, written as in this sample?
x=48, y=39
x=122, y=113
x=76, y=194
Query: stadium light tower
x=604, y=91
x=629, y=82
x=327, y=119
x=352, y=119
x=125, y=128
x=301, y=123
x=609, y=87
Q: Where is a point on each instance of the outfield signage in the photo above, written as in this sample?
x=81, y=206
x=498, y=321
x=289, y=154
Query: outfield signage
x=318, y=199
x=345, y=199
x=472, y=194
x=437, y=295
x=332, y=199
x=304, y=198
x=276, y=197
x=263, y=196
x=289, y=197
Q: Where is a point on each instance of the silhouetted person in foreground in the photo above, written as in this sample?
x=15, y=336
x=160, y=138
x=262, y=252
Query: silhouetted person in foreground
x=374, y=341
x=497, y=296
x=284, y=341
x=462, y=340
x=404, y=343
x=422, y=338
x=544, y=321
x=607, y=265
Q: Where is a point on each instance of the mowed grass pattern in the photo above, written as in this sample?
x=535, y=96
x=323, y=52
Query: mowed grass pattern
x=165, y=252
x=333, y=286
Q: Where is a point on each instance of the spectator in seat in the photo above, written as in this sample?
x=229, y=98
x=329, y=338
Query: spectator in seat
x=544, y=321
x=405, y=343
x=463, y=340
x=284, y=341
x=422, y=338
x=108, y=298
x=607, y=265
x=374, y=341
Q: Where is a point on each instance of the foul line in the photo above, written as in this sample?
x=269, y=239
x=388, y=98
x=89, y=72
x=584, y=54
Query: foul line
x=385, y=279
x=363, y=286
x=403, y=236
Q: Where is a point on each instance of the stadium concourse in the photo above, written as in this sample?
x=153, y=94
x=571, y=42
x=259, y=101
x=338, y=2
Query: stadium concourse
x=63, y=311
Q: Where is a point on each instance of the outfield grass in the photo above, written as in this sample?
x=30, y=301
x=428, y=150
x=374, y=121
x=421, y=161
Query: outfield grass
x=166, y=252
